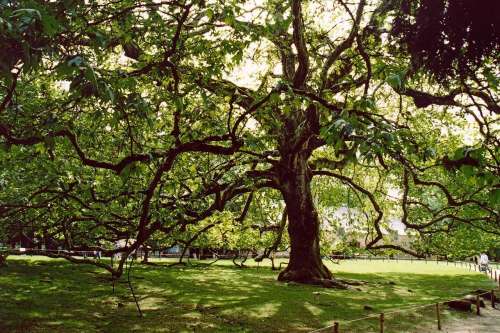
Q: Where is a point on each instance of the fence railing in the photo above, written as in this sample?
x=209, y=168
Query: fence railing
x=160, y=254
x=493, y=271
x=404, y=258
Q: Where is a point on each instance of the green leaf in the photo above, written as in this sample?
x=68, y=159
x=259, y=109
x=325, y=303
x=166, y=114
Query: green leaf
x=5, y=147
x=492, y=79
x=494, y=197
x=179, y=104
x=50, y=25
x=75, y=61
x=467, y=170
x=209, y=13
x=106, y=92
x=459, y=153
x=429, y=153
x=395, y=81
x=49, y=141
x=126, y=172
x=27, y=12
x=364, y=104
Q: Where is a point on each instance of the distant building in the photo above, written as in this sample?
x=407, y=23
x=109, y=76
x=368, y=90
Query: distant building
x=351, y=230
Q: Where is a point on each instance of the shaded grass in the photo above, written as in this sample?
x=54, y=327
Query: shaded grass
x=40, y=295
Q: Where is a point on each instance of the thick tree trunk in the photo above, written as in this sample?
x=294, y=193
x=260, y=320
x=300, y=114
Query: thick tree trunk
x=305, y=265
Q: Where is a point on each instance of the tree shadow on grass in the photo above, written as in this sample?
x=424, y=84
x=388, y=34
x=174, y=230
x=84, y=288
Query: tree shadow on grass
x=57, y=296
x=258, y=299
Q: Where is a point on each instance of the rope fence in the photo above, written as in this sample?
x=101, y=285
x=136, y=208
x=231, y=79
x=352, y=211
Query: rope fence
x=430, y=317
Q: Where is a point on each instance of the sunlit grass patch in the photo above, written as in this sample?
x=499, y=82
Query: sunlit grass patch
x=40, y=295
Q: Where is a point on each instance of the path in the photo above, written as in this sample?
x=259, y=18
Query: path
x=487, y=322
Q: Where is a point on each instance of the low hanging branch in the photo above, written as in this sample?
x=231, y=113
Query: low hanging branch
x=376, y=223
x=277, y=241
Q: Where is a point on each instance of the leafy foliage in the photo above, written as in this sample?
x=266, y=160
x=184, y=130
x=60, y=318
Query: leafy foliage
x=451, y=39
x=215, y=124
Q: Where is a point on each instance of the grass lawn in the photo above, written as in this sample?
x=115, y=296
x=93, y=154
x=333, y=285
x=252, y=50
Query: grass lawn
x=48, y=295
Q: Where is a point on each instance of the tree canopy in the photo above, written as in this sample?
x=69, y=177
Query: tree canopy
x=168, y=120
x=450, y=39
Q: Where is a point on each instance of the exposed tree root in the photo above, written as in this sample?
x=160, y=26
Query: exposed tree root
x=281, y=263
x=149, y=263
x=242, y=263
x=213, y=262
x=319, y=277
x=325, y=283
x=179, y=263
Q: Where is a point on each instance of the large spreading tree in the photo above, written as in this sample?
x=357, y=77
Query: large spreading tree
x=126, y=120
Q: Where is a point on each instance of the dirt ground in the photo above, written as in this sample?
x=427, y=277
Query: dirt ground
x=487, y=322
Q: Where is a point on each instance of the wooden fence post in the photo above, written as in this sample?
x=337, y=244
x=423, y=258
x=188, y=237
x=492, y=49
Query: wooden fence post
x=478, y=305
x=335, y=327
x=382, y=323
x=492, y=298
x=438, y=317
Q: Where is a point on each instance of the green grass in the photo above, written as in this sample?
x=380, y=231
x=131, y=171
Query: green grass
x=48, y=295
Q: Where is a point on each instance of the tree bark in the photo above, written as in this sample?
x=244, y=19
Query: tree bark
x=305, y=265
x=145, y=259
